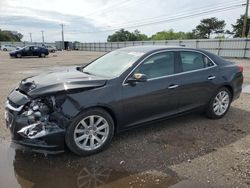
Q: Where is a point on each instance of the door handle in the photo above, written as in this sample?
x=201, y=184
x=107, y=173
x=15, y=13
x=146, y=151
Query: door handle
x=211, y=77
x=173, y=86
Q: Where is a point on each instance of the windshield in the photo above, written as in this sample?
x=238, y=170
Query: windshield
x=112, y=64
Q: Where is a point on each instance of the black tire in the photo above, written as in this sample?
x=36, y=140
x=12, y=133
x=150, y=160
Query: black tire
x=210, y=109
x=5, y=49
x=42, y=55
x=69, y=136
x=18, y=55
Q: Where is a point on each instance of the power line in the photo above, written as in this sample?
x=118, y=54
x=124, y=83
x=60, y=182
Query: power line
x=206, y=8
x=116, y=5
x=173, y=18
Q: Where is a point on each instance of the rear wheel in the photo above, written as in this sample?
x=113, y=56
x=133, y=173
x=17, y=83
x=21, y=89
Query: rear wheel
x=219, y=104
x=90, y=133
x=5, y=49
x=42, y=55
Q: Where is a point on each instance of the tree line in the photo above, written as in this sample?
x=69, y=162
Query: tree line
x=10, y=36
x=204, y=30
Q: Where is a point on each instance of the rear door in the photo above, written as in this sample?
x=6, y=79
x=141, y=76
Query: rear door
x=36, y=51
x=197, y=79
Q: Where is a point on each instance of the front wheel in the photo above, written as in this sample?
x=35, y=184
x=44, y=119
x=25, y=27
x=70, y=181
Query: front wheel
x=91, y=132
x=219, y=103
x=18, y=55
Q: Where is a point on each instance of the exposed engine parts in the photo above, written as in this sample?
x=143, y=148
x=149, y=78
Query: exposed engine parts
x=38, y=113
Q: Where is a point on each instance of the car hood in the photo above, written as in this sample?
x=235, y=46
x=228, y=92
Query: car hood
x=63, y=81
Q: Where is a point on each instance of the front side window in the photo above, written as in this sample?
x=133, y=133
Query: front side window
x=194, y=61
x=158, y=65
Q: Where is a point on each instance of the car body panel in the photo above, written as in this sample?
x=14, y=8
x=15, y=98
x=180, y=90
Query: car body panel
x=51, y=82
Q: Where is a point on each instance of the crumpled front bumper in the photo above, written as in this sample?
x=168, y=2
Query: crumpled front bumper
x=49, y=140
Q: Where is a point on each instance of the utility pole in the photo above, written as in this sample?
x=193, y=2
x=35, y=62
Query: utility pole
x=42, y=37
x=245, y=24
x=30, y=37
x=62, y=37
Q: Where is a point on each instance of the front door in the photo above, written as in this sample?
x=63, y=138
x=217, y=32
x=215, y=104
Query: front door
x=157, y=97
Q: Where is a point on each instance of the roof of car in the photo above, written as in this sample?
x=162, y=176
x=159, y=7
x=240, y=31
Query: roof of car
x=149, y=48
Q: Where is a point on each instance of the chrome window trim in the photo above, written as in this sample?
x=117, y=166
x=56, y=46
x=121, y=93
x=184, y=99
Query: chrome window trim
x=175, y=74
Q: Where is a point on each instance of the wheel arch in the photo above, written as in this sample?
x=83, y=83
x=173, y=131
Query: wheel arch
x=230, y=88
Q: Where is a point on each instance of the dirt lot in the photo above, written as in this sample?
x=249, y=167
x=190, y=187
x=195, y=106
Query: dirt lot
x=190, y=151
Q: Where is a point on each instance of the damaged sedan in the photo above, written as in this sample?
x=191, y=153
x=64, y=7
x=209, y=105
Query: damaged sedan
x=83, y=107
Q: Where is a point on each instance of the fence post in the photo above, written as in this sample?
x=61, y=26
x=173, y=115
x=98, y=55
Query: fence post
x=245, y=48
x=196, y=43
x=219, y=47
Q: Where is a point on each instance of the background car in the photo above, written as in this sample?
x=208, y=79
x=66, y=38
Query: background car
x=51, y=49
x=8, y=47
x=84, y=106
x=30, y=51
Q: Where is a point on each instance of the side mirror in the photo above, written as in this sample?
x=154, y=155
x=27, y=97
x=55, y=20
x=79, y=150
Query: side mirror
x=137, y=77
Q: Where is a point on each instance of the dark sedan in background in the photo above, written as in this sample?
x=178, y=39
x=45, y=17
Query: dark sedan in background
x=83, y=107
x=30, y=51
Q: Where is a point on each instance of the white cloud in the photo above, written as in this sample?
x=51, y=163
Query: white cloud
x=80, y=16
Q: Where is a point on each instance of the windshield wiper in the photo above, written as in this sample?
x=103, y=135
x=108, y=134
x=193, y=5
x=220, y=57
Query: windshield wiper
x=87, y=72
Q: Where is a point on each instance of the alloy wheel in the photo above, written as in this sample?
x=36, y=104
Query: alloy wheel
x=221, y=103
x=91, y=132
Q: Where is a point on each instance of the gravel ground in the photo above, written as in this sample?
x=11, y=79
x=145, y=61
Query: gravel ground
x=189, y=151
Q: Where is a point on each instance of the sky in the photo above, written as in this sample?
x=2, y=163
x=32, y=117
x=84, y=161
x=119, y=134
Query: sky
x=94, y=20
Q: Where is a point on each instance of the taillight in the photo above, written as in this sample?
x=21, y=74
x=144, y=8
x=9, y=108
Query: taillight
x=241, y=68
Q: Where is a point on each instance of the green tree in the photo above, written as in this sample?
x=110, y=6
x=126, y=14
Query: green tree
x=171, y=35
x=124, y=35
x=238, y=26
x=10, y=37
x=209, y=26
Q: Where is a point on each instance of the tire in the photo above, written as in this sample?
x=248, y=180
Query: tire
x=42, y=55
x=79, y=137
x=216, y=109
x=18, y=55
x=5, y=49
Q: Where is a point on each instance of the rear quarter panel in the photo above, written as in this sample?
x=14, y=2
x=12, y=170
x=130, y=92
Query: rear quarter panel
x=230, y=75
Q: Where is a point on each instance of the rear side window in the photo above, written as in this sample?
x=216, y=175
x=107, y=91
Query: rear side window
x=194, y=61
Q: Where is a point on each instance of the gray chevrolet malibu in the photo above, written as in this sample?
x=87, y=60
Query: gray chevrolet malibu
x=83, y=107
